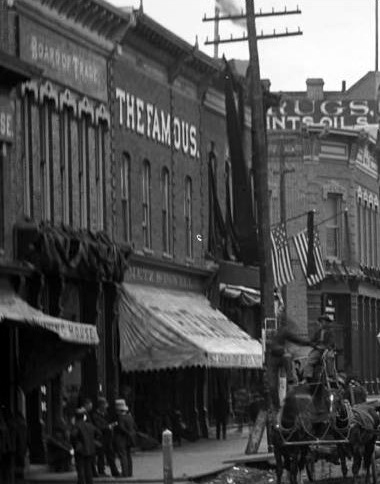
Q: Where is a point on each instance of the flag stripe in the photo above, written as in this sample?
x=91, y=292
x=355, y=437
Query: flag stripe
x=301, y=245
x=281, y=263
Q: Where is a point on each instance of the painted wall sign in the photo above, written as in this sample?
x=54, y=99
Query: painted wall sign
x=161, y=277
x=335, y=113
x=63, y=60
x=146, y=119
x=7, y=119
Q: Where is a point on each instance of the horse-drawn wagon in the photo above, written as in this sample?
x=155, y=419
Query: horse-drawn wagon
x=320, y=419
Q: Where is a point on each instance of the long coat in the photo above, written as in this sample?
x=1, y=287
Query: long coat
x=83, y=438
x=125, y=431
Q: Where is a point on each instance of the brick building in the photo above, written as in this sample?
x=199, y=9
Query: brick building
x=58, y=210
x=169, y=125
x=331, y=166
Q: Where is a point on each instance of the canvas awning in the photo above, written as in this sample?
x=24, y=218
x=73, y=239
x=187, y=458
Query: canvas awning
x=14, y=308
x=162, y=329
x=46, y=344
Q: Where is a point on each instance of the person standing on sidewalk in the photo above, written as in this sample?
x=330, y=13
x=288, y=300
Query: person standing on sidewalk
x=221, y=409
x=124, y=436
x=105, y=451
x=83, y=438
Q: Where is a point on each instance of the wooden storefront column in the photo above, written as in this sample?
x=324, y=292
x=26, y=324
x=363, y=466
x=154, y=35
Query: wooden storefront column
x=377, y=308
x=355, y=340
x=367, y=347
x=375, y=357
x=360, y=350
x=373, y=344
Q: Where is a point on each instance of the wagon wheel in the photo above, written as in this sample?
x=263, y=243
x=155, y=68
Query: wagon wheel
x=373, y=466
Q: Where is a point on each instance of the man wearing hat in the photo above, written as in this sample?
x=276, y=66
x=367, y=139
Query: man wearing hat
x=101, y=422
x=322, y=340
x=124, y=436
x=83, y=438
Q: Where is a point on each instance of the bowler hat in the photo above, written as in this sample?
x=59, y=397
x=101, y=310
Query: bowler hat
x=121, y=405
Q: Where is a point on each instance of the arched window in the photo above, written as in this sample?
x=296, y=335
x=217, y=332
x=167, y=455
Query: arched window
x=126, y=196
x=189, y=217
x=146, y=223
x=166, y=226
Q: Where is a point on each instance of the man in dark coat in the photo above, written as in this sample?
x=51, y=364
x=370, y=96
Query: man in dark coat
x=101, y=422
x=83, y=438
x=124, y=436
x=221, y=409
x=323, y=339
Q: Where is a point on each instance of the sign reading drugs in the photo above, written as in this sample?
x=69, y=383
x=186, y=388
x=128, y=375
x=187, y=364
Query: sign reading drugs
x=146, y=119
x=339, y=113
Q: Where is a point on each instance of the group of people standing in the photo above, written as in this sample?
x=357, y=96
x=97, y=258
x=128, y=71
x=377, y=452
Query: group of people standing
x=97, y=440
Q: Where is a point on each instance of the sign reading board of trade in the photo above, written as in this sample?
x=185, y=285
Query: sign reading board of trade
x=63, y=60
x=7, y=118
x=339, y=113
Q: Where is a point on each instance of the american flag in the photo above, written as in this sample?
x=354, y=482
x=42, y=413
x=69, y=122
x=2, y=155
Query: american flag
x=301, y=243
x=282, y=266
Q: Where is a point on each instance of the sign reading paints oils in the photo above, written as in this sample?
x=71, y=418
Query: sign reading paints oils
x=7, y=119
x=338, y=113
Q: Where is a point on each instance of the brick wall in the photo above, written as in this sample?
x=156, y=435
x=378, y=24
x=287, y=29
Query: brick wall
x=181, y=100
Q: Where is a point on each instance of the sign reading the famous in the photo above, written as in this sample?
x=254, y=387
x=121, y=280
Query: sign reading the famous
x=63, y=60
x=148, y=120
x=7, y=119
x=292, y=113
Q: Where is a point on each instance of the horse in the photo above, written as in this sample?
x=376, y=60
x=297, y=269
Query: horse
x=308, y=415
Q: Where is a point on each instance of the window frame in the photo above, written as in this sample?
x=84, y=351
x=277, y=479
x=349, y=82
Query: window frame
x=188, y=212
x=146, y=205
x=126, y=196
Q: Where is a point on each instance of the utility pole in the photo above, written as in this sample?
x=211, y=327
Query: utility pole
x=216, y=32
x=283, y=213
x=260, y=167
x=376, y=35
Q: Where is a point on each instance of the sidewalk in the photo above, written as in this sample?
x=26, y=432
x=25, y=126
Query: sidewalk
x=190, y=461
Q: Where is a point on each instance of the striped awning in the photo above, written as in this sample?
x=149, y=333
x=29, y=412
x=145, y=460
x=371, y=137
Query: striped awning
x=164, y=328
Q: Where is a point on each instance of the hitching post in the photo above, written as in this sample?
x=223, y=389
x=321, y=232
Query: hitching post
x=167, y=455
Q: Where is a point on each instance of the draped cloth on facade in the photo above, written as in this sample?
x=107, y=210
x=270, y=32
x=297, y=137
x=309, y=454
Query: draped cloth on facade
x=167, y=328
x=46, y=344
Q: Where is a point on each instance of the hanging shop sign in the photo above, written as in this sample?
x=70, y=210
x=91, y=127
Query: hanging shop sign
x=146, y=119
x=7, y=119
x=63, y=59
x=334, y=113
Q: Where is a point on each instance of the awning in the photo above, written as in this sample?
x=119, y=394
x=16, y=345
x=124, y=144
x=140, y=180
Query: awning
x=14, y=308
x=162, y=329
x=46, y=345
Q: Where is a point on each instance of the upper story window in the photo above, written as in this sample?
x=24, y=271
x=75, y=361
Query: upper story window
x=84, y=170
x=28, y=103
x=334, y=225
x=146, y=223
x=100, y=163
x=66, y=165
x=126, y=196
x=46, y=160
x=166, y=226
x=189, y=217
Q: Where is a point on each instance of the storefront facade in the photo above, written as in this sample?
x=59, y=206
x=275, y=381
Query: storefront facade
x=169, y=119
x=58, y=227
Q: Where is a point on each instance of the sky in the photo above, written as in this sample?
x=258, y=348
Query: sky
x=338, y=41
